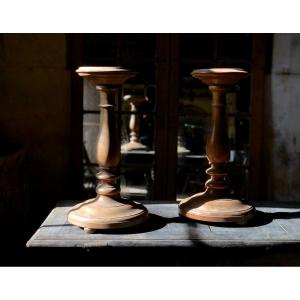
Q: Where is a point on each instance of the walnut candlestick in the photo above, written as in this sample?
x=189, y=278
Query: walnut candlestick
x=107, y=210
x=215, y=204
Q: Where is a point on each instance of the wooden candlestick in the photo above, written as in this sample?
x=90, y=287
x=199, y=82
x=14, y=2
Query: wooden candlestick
x=215, y=204
x=107, y=210
x=134, y=126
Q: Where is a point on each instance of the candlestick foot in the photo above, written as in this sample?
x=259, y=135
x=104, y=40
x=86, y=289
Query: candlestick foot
x=107, y=213
x=203, y=208
x=133, y=146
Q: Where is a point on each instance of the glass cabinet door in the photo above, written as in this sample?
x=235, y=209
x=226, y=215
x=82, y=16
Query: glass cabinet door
x=168, y=111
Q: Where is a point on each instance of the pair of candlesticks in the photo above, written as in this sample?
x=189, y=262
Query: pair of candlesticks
x=108, y=210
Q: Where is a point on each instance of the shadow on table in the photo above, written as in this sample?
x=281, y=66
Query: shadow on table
x=156, y=222
x=260, y=219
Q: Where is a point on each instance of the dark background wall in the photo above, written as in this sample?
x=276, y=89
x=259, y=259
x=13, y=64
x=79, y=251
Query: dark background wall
x=35, y=113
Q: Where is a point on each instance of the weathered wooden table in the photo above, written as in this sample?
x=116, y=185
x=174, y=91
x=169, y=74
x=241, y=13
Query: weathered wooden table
x=271, y=238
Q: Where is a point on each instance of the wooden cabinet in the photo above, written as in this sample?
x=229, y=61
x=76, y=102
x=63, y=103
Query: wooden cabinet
x=177, y=112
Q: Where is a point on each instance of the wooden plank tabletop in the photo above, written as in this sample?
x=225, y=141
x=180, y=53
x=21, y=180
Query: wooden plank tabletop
x=274, y=224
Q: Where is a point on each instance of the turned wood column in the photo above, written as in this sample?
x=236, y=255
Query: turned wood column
x=107, y=210
x=217, y=146
x=108, y=147
x=215, y=204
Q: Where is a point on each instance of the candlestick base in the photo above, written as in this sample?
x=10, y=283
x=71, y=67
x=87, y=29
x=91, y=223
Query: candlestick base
x=133, y=146
x=107, y=213
x=204, y=207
